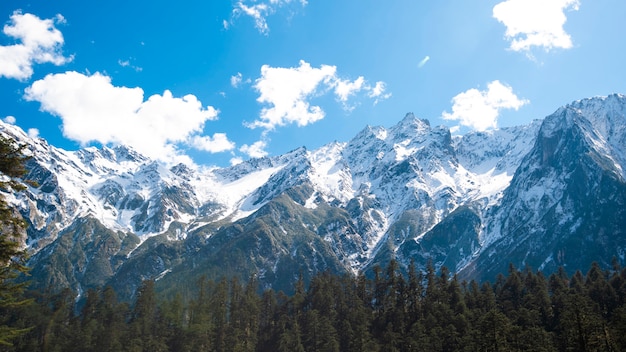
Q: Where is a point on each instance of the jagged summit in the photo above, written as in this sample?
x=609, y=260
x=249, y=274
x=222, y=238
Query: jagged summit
x=411, y=122
x=531, y=195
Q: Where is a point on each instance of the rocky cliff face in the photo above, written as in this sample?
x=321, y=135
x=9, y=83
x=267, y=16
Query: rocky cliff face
x=547, y=194
x=565, y=204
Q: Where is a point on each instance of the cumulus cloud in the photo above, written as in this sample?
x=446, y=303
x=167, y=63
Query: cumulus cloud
x=10, y=120
x=535, y=23
x=286, y=93
x=236, y=160
x=286, y=90
x=33, y=133
x=216, y=144
x=479, y=110
x=39, y=42
x=345, y=88
x=94, y=110
x=255, y=150
x=258, y=11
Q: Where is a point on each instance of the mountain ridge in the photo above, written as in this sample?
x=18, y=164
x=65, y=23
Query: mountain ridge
x=412, y=192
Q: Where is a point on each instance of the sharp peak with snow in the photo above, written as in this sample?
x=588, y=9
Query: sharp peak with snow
x=391, y=189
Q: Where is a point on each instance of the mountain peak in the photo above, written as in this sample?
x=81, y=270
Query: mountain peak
x=403, y=192
x=412, y=121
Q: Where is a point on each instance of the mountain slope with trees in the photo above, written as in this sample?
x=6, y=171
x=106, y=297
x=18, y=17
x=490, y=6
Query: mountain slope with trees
x=523, y=310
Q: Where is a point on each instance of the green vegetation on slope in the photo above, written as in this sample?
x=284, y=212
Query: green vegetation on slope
x=429, y=311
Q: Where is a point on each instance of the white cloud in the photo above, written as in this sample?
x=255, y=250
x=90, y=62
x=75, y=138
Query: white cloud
x=256, y=150
x=127, y=63
x=379, y=92
x=94, y=110
x=480, y=109
x=40, y=43
x=536, y=23
x=346, y=88
x=259, y=11
x=10, y=120
x=236, y=160
x=287, y=92
x=216, y=144
x=33, y=133
x=423, y=62
x=236, y=80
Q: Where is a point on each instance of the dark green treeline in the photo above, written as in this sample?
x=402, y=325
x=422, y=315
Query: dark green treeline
x=431, y=311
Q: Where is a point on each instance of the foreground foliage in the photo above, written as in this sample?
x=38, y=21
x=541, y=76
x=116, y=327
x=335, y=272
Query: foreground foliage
x=522, y=311
x=12, y=232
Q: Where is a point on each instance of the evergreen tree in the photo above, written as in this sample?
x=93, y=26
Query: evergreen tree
x=600, y=291
x=145, y=329
x=493, y=332
x=112, y=314
x=60, y=329
x=12, y=226
x=250, y=323
x=289, y=338
x=268, y=311
x=173, y=312
x=218, y=309
x=200, y=323
x=90, y=323
x=414, y=294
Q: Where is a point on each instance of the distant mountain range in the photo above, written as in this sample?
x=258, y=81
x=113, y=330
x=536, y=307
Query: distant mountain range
x=548, y=194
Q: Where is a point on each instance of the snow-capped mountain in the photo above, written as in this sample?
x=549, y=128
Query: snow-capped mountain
x=545, y=194
x=565, y=203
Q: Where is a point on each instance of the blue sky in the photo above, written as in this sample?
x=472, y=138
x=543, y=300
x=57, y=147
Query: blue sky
x=217, y=82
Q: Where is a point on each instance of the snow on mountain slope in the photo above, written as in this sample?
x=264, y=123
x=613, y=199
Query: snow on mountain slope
x=128, y=192
x=491, y=158
x=381, y=174
x=377, y=176
x=398, y=192
x=566, y=190
x=330, y=175
x=607, y=127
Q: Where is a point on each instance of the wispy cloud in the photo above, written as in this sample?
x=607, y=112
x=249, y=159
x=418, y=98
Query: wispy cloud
x=40, y=42
x=258, y=11
x=127, y=63
x=480, y=110
x=346, y=88
x=92, y=109
x=378, y=92
x=286, y=93
x=535, y=23
x=237, y=80
x=423, y=62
